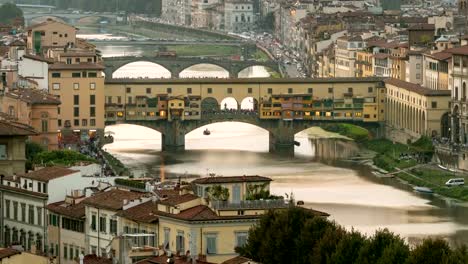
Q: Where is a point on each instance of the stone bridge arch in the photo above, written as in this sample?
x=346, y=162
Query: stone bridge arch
x=113, y=65
x=268, y=66
x=177, y=65
x=186, y=66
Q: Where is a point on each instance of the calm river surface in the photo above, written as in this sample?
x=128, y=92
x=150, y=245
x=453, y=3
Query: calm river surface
x=350, y=193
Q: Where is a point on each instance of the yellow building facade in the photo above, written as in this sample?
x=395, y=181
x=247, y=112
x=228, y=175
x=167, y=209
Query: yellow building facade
x=80, y=88
x=414, y=111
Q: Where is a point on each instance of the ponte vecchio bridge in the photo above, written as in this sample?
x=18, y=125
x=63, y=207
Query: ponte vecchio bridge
x=176, y=65
x=283, y=107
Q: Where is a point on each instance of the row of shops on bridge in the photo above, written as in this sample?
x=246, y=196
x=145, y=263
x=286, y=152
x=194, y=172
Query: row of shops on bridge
x=283, y=106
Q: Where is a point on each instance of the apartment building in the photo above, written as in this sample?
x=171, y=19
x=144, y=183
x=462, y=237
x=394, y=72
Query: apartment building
x=35, y=108
x=49, y=34
x=80, y=88
x=414, y=67
x=24, y=199
x=436, y=70
x=13, y=136
x=345, y=55
x=102, y=221
x=66, y=225
x=238, y=15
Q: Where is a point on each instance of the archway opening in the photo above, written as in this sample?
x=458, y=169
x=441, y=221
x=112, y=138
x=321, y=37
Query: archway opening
x=257, y=71
x=229, y=136
x=209, y=105
x=134, y=146
x=142, y=69
x=229, y=103
x=204, y=70
x=249, y=103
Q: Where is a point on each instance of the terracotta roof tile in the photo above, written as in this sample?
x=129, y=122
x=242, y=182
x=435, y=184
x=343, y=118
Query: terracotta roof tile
x=417, y=88
x=76, y=211
x=11, y=128
x=48, y=173
x=8, y=252
x=112, y=199
x=37, y=58
x=179, y=199
x=33, y=96
x=238, y=260
x=163, y=260
x=143, y=213
x=93, y=259
x=231, y=179
x=463, y=50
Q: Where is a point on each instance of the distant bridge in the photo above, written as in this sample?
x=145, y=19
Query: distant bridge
x=176, y=65
x=170, y=42
x=69, y=18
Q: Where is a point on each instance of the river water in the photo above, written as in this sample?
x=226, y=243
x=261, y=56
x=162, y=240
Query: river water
x=350, y=193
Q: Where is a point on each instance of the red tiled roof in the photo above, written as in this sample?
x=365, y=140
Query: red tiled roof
x=11, y=128
x=179, y=199
x=381, y=55
x=93, y=259
x=76, y=211
x=33, y=96
x=111, y=199
x=443, y=55
x=422, y=27
x=463, y=50
x=164, y=259
x=231, y=179
x=48, y=173
x=237, y=260
x=417, y=88
x=37, y=58
x=8, y=252
x=143, y=213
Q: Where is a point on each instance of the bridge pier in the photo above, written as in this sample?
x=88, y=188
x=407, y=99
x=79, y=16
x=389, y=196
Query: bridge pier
x=173, y=138
x=282, y=139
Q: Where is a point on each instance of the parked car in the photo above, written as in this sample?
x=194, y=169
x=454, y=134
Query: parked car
x=455, y=182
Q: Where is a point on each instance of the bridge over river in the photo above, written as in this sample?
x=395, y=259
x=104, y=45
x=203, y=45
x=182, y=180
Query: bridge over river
x=176, y=65
x=283, y=107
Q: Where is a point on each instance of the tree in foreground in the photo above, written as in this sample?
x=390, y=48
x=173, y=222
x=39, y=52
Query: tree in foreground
x=297, y=235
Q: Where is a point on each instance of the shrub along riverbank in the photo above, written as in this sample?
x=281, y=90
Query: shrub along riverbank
x=394, y=157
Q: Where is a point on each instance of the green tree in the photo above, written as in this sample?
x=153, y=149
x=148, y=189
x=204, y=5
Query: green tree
x=9, y=12
x=431, y=251
x=32, y=150
x=217, y=193
x=61, y=157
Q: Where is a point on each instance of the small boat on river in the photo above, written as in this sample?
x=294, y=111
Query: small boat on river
x=423, y=190
x=206, y=132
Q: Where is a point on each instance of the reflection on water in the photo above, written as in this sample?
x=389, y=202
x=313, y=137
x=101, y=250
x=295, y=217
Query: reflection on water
x=351, y=194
